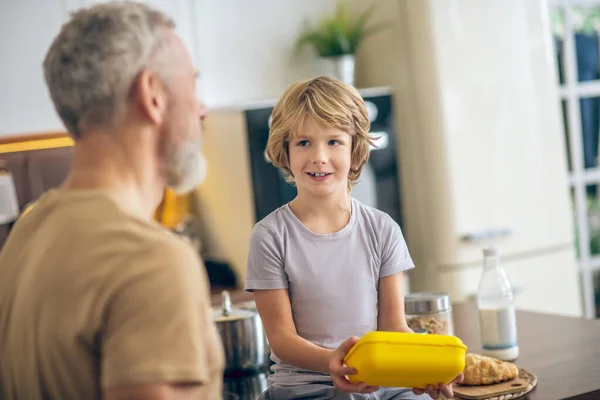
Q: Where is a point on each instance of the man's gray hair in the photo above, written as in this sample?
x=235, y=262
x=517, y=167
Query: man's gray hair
x=93, y=62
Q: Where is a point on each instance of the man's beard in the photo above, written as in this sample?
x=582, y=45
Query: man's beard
x=185, y=166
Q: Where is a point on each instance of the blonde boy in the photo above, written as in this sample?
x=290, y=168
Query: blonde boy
x=324, y=268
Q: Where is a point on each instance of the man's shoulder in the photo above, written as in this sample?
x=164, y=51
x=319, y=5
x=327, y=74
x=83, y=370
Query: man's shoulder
x=101, y=213
x=156, y=258
x=100, y=222
x=149, y=243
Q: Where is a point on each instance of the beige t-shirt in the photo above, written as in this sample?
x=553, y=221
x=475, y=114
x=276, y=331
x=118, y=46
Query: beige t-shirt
x=94, y=297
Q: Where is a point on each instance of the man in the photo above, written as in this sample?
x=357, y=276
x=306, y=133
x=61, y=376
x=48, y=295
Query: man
x=96, y=299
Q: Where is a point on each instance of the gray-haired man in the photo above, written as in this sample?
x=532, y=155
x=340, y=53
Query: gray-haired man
x=97, y=300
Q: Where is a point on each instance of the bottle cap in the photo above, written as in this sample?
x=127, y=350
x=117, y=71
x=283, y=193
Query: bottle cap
x=491, y=252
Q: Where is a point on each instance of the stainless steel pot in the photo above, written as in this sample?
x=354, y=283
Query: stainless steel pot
x=244, y=341
x=251, y=305
x=246, y=386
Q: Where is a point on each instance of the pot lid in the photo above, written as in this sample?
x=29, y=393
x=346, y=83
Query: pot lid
x=227, y=313
x=247, y=305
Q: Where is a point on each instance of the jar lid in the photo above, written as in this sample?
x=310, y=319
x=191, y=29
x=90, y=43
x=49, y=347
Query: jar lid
x=426, y=303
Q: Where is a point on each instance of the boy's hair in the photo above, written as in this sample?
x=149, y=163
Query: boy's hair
x=332, y=104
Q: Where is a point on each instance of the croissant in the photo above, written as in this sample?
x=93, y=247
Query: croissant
x=482, y=370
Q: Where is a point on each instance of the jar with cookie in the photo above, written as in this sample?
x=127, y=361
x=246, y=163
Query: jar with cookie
x=430, y=312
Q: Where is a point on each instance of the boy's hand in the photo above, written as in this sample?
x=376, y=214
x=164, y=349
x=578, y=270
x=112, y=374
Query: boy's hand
x=446, y=390
x=339, y=371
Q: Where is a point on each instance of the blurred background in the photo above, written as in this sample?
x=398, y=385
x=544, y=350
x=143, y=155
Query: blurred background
x=487, y=113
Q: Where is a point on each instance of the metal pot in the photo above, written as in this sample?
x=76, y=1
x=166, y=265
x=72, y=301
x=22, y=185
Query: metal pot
x=247, y=386
x=243, y=336
x=251, y=305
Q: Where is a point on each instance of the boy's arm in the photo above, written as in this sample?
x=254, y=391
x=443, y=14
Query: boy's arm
x=276, y=315
x=395, y=259
x=391, y=315
x=268, y=280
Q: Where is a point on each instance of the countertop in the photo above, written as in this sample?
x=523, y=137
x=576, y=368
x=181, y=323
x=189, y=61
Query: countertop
x=563, y=352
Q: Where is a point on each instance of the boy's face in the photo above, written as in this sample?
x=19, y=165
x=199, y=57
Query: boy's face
x=320, y=159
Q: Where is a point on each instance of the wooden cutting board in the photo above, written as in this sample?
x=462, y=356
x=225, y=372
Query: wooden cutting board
x=516, y=385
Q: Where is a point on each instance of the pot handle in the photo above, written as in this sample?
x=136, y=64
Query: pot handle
x=226, y=302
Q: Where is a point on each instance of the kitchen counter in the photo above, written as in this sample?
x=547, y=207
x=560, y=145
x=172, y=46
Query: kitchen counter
x=563, y=352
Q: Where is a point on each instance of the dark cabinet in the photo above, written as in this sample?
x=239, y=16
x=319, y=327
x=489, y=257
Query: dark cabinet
x=34, y=172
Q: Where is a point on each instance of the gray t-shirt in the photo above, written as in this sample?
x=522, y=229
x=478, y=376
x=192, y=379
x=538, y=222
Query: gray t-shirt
x=332, y=279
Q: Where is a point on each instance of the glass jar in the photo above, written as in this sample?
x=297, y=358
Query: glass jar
x=429, y=311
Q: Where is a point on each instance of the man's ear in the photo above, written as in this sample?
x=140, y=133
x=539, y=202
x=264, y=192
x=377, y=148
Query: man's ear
x=150, y=96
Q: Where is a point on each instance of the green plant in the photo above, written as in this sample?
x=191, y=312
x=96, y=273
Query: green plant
x=585, y=20
x=593, y=211
x=594, y=223
x=338, y=34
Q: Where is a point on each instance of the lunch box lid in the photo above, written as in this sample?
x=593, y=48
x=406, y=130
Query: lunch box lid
x=404, y=338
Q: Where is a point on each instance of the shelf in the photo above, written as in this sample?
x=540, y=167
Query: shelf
x=28, y=142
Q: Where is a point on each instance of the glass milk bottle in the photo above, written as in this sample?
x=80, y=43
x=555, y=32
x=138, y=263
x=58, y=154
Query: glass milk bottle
x=495, y=302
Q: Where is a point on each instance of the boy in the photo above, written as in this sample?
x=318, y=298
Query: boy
x=325, y=267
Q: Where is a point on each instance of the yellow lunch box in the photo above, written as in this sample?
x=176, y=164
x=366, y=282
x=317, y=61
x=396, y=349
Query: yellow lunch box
x=398, y=359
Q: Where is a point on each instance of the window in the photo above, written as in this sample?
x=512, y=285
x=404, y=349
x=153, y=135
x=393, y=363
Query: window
x=575, y=26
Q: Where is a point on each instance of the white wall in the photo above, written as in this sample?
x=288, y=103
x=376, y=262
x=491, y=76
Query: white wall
x=378, y=57
x=246, y=48
x=26, y=31
x=244, y=51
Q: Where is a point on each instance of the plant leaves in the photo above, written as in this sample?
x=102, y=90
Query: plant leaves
x=337, y=35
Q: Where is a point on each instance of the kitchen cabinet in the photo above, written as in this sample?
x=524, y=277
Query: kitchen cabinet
x=35, y=172
x=481, y=151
